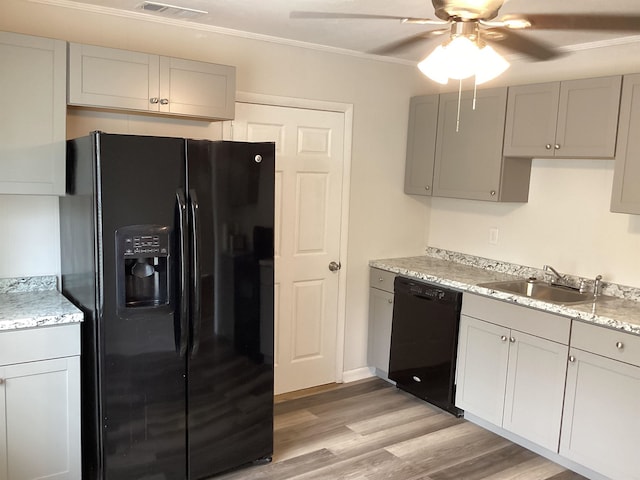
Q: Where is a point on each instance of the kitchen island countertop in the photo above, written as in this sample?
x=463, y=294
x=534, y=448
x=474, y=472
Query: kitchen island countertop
x=34, y=302
x=614, y=312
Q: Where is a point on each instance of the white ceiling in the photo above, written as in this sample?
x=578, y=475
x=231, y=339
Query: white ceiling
x=271, y=18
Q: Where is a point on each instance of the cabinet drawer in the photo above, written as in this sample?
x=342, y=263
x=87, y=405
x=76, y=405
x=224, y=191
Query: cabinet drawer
x=381, y=279
x=535, y=322
x=607, y=342
x=32, y=344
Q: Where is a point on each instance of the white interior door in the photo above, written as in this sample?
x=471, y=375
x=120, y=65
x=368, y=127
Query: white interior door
x=308, y=217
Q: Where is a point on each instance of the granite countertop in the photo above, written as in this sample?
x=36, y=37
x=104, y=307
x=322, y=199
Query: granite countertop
x=464, y=272
x=34, y=302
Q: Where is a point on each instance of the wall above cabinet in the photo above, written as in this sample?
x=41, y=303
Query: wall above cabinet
x=124, y=80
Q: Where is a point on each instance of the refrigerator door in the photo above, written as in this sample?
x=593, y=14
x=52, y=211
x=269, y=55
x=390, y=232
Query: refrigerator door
x=230, y=358
x=142, y=373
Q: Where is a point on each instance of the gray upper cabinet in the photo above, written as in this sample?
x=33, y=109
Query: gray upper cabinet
x=468, y=160
x=33, y=114
x=570, y=119
x=421, y=144
x=626, y=178
x=124, y=80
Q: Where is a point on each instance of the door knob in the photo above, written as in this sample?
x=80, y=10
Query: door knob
x=335, y=266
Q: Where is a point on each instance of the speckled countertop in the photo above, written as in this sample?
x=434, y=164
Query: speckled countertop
x=619, y=308
x=34, y=302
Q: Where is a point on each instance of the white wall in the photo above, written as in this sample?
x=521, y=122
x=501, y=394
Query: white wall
x=566, y=224
x=383, y=222
x=29, y=239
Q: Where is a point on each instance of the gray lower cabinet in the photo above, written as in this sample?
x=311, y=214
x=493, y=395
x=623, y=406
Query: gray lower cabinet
x=468, y=159
x=625, y=197
x=124, y=80
x=601, y=417
x=380, y=318
x=511, y=368
x=571, y=119
x=421, y=145
x=40, y=403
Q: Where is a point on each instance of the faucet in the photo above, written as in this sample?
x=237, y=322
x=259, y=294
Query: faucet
x=597, y=284
x=559, y=278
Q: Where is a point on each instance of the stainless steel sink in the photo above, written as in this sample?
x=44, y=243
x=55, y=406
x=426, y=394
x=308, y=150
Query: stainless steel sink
x=543, y=291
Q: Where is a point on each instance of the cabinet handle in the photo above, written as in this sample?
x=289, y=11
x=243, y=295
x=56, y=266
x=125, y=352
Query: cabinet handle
x=512, y=340
x=381, y=279
x=557, y=146
x=153, y=100
x=619, y=345
x=572, y=359
x=503, y=338
x=493, y=193
x=1, y=381
x=164, y=101
x=427, y=188
x=390, y=301
x=548, y=146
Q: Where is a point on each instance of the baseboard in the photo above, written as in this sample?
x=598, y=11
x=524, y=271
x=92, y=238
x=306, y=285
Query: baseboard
x=553, y=456
x=358, y=374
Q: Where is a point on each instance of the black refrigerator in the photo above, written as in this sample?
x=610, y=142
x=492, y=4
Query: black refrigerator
x=167, y=248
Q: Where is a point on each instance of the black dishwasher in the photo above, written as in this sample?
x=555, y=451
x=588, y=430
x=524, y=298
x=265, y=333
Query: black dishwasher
x=424, y=340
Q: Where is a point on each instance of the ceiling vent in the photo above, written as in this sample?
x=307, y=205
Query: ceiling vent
x=169, y=10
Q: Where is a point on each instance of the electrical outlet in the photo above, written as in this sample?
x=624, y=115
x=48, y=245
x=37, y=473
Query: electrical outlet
x=493, y=235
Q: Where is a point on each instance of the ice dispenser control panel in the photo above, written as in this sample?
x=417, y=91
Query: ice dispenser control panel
x=144, y=245
x=143, y=268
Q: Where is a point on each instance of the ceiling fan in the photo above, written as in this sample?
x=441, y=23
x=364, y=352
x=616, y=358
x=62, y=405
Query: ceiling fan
x=474, y=23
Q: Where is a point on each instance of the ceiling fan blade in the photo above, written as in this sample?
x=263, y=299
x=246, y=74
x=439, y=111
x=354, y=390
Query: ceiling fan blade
x=363, y=16
x=524, y=45
x=407, y=42
x=578, y=21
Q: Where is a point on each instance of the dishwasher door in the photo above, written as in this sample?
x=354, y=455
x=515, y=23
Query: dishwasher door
x=424, y=341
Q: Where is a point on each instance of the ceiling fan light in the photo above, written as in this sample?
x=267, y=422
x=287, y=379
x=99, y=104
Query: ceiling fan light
x=461, y=57
x=434, y=66
x=489, y=65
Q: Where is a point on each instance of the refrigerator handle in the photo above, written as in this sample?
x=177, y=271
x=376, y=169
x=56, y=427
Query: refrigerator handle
x=184, y=305
x=195, y=269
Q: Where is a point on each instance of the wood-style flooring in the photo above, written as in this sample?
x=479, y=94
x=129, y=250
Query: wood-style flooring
x=369, y=430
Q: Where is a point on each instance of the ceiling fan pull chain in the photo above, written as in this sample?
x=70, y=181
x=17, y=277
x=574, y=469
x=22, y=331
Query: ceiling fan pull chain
x=475, y=91
x=459, y=100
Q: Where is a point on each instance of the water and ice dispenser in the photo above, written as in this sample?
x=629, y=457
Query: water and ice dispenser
x=143, y=268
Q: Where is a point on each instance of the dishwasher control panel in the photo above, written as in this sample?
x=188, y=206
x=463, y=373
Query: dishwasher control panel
x=424, y=290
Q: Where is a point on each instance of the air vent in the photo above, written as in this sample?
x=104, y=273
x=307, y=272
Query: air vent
x=169, y=10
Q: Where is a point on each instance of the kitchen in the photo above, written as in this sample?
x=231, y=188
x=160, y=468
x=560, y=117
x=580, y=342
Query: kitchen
x=566, y=222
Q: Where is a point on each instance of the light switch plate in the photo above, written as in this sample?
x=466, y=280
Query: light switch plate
x=493, y=235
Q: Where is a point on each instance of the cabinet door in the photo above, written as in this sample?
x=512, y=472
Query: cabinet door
x=626, y=178
x=112, y=78
x=197, y=89
x=601, y=417
x=530, y=128
x=535, y=389
x=380, y=318
x=421, y=145
x=468, y=159
x=32, y=114
x=588, y=118
x=42, y=422
x=483, y=354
